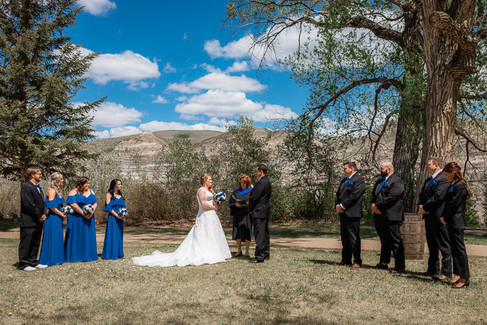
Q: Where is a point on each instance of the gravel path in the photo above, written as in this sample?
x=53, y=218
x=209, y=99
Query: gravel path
x=313, y=243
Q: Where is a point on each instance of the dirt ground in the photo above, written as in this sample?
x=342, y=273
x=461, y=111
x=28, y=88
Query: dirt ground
x=309, y=243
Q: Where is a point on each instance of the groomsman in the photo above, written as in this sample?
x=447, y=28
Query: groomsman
x=260, y=212
x=32, y=216
x=387, y=206
x=431, y=204
x=348, y=203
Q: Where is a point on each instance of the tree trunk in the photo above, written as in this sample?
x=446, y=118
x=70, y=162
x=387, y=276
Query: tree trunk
x=406, y=153
x=449, y=56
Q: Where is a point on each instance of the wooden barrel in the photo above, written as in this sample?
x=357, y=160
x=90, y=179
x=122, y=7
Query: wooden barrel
x=413, y=236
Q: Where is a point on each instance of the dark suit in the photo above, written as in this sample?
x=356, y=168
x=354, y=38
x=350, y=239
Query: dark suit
x=432, y=199
x=32, y=207
x=350, y=194
x=260, y=212
x=454, y=215
x=388, y=197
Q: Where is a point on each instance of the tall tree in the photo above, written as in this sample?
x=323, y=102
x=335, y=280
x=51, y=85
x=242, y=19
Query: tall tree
x=395, y=61
x=41, y=70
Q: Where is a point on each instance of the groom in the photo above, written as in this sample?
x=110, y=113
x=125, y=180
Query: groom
x=260, y=211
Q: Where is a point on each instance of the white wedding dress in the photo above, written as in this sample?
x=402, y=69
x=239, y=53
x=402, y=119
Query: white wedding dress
x=204, y=244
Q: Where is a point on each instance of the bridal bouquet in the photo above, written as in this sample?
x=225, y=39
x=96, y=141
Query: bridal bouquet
x=220, y=197
x=88, y=209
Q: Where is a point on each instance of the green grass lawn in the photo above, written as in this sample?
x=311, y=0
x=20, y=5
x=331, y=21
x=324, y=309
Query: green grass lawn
x=294, y=287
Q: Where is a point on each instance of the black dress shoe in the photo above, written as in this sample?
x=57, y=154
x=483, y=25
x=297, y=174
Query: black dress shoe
x=256, y=261
x=396, y=271
x=381, y=266
x=238, y=254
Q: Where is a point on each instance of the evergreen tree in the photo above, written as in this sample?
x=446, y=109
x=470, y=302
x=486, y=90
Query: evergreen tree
x=41, y=70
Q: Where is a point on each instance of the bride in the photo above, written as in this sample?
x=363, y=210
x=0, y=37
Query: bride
x=204, y=244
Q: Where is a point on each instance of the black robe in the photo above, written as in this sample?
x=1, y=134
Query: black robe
x=242, y=224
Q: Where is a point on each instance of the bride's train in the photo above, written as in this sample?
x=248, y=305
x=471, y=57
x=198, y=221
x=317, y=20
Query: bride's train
x=204, y=244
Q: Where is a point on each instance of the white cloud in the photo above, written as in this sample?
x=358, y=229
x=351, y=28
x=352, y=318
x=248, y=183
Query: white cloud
x=222, y=122
x=273, y=113
x=103, y=134
x=168, y=68
x=161, y=126
x=239, y=66
x=182, y=88
x=226, y=82
x=111, y=115
x=160, y=100
x=97, y=7
x=218, y=103
x=124, y=131
x=286, y=43
x=218, y=81
x=129, y=67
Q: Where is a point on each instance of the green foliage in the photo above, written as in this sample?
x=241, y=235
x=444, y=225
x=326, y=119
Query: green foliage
x=471, y=215
x=41, y=71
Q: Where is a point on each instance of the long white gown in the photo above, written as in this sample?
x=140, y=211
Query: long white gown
x=204, y=244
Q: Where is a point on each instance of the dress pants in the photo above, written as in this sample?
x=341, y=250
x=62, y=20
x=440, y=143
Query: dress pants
x=459, y=253
x=350, y=235
x=385, y=248
x=262, y=240
x=390, y=238
x=30, y=239
x=438, y=241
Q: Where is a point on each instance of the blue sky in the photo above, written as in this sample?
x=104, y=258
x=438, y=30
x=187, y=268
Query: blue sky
x=169, y=65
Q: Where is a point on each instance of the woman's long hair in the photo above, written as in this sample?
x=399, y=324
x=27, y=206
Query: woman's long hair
x=456, y=170
x=81, y=183
x=55, y=178
x=203, y=179
x=111, y=189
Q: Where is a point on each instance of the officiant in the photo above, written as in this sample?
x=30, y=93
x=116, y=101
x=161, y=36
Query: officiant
x=242, y=224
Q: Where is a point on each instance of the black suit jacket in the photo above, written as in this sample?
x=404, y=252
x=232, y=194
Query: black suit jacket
x=432, y=196
x=389, y=199
x=350, y=196
x=32, y=206
x=454, y=211
x=259, y=199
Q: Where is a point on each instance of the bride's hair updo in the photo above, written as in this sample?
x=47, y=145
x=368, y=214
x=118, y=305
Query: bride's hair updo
x=203, y=179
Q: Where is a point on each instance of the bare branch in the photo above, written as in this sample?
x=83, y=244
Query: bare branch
x=469, y=140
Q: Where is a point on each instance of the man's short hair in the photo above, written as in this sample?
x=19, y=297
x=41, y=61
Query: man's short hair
x=263, y=168
x=31, y=171
x=351, y=164
x=437, y=161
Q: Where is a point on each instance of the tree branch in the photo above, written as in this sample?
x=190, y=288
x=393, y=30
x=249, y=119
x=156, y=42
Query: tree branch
x=469, y=140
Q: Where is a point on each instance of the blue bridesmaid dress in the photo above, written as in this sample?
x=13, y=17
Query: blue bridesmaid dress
x=80, y=239
x=52, y=249
x=113, y=245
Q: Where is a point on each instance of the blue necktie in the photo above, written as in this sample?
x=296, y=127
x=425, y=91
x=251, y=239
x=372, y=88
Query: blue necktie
x=345, y=184
x=380, y=187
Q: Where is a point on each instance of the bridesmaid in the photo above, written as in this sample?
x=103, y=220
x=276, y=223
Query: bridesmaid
x=454, y=217
x=80, y=241
x=113, y=245
x=52, y=250
x=242, y=224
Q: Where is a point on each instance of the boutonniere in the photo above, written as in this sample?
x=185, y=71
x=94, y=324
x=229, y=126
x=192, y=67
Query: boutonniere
x=386, y=184
x=450, y=190
x=434, y=183
x=349, y=183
